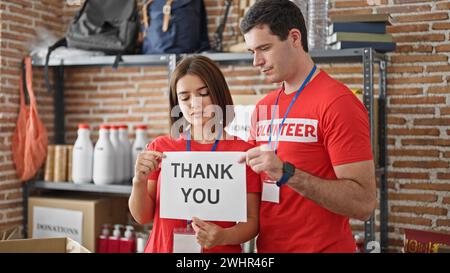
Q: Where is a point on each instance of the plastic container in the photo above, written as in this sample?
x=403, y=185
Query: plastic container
x=126, y=146
x=114, y=240
x=103, y=239
x=317, y=24
x=82, y=156
x=139, y=143
x=128, y=241
x=359, y=240
x=104, y=163
x=118, y=154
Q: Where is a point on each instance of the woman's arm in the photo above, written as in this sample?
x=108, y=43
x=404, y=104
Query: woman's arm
x=143, y=192
x=142, y=200
x=210, y=235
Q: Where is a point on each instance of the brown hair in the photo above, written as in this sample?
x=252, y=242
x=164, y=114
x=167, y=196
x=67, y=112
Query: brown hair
x=281, y=16
x=210, y=74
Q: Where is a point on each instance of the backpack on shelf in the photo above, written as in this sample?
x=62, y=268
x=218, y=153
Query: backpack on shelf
x=175, y=26
x=108, y=26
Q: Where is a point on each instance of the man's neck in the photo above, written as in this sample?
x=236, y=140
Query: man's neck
x=292, y=84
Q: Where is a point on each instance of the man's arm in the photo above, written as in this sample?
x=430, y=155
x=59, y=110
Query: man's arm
x=352, y=194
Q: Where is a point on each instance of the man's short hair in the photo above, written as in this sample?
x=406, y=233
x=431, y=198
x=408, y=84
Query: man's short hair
x=279, y=15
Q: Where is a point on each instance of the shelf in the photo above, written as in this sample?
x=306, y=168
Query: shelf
x=128, y=60
x=67, y=186
x=319, y=56
x=343, y=55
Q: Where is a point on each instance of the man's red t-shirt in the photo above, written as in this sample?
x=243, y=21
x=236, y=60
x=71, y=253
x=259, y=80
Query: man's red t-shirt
x=161, y=238
x=327, y=126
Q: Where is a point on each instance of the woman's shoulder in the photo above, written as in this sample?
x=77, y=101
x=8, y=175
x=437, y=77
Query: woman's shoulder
x=162, y=142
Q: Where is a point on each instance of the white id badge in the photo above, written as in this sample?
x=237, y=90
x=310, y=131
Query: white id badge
x=184, y=241
x=270, y=191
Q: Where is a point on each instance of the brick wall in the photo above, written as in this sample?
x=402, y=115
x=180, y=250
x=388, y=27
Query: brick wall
x=418, y=115
x=20, y=22
x=418, y=98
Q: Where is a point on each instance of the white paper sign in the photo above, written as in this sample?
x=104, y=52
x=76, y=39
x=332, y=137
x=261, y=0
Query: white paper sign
x=51, y=222
x=207, y=185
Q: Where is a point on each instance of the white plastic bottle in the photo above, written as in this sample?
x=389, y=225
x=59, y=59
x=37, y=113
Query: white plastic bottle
x=104, y=163
x=128, y=241
x=126, y=146
x=114, y=240
x=139, y=143
x=82, y=156
x=118, y=151
x=317, y=23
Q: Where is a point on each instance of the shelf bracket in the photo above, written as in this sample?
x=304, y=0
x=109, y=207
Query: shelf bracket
x=369, y=225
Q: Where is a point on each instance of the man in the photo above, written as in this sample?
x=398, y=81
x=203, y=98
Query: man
x=314, y=152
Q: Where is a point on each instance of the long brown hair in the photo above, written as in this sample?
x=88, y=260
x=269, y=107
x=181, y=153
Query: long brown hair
x=210, y=74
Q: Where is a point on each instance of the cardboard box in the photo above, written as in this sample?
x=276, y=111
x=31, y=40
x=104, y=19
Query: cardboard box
x=47, y=245
x=79, y=218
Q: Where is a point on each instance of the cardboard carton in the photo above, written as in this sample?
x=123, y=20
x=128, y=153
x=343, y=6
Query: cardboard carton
x=79, y=218
x=44, y=245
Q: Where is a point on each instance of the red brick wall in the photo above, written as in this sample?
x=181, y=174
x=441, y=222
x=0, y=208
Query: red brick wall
x=418, y=94
x=418, y=121
x=19, y=22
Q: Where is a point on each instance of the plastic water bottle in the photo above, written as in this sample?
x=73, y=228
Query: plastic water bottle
x=317, y=24
x=118, y=154
x=128, y=241
x=82, y=156
x=104, y=163
x=126, y=146
x=114, y=240
x=102, y=240
x=139, y=143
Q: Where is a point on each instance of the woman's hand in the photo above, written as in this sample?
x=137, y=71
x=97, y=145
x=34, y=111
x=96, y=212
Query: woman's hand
x=208, y=234
x=146, y=162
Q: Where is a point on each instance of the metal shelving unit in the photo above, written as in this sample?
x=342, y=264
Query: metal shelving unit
x=366, y=56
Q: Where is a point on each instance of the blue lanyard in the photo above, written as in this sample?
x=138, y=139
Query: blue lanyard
x=308, y=78
x=214, y=148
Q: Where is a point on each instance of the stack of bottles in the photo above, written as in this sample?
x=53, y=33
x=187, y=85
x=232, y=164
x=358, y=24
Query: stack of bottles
x=111, y=160
x=119, y=240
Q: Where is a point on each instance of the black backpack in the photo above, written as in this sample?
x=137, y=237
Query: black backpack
x=175, y=26
x=109, y=26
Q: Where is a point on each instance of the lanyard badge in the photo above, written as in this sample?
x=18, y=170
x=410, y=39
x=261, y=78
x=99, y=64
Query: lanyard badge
x=185, y=241
x=270, y=191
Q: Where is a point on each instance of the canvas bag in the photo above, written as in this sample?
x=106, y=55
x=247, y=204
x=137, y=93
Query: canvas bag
x=175, y=26
x=29, y=142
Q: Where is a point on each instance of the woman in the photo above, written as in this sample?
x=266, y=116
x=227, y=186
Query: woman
x=199, y=91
